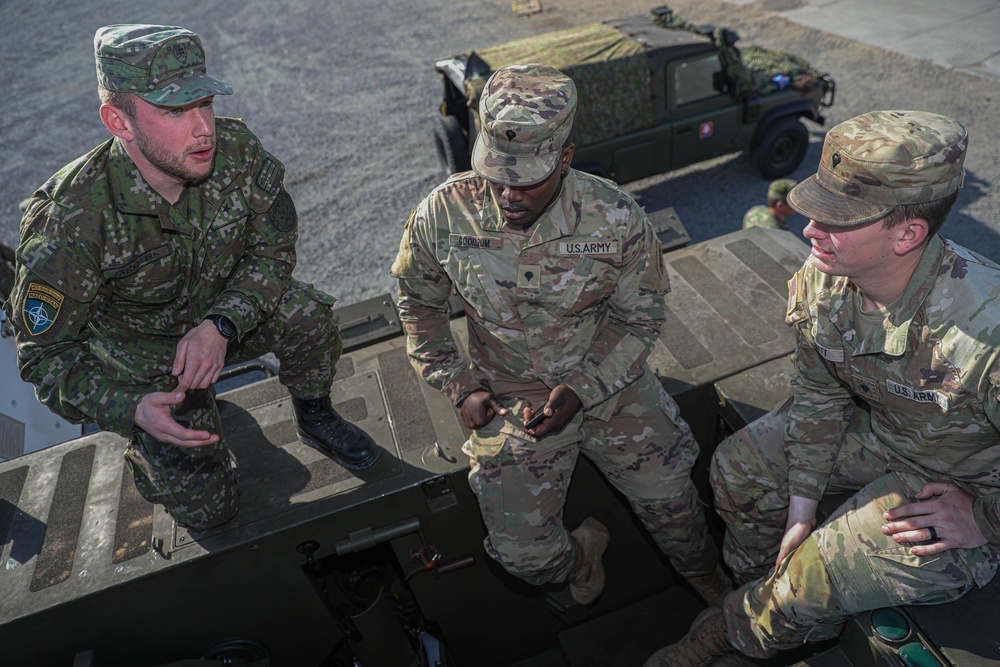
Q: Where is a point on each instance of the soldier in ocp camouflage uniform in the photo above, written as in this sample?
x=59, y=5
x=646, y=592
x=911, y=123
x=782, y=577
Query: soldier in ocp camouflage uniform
x=773, y=215
x=151, y=262
x=895, y=401
x=563, y=284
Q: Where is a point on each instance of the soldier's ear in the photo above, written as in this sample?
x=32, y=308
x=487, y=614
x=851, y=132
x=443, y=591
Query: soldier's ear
x=567, y=156
x=912, y=234
x=117, y=121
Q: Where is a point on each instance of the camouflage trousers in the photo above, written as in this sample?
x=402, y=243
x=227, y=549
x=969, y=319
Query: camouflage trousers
x=199, y=486
x=645, y=450
x=845, y=567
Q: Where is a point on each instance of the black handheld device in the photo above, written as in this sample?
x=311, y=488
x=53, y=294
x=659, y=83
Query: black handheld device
x=535, y=421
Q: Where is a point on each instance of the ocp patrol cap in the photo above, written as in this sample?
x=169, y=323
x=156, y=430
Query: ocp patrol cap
x=880, y=160
x=164, y=65
x=526, y=114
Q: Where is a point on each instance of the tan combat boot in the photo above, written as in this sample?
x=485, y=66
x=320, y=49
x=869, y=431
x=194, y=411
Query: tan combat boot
x=586, y=581
x=704, y=642
x=713, y=587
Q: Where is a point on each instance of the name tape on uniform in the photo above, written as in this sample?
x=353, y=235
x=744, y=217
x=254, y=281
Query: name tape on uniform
x=836, y=356
x=484, y=242
x=137, y=263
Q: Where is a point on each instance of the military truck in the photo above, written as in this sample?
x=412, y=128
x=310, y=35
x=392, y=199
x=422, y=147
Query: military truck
x=655, y=94
x=386, y=567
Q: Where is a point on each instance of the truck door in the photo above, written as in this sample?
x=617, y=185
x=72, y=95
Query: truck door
x=705, y=117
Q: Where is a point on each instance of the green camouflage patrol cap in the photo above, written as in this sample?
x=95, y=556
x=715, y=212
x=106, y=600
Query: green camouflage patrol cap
x=164, y=65
x=526, y=114
x=778, y=190
x=880, y=160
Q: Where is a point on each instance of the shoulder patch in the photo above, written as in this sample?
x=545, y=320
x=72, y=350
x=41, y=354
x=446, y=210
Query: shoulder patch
x=655, y=277
x=270, y=176
x=282, y=213
x=405, y=265
x=410, y=219
x=40, y=308
x=797, y=311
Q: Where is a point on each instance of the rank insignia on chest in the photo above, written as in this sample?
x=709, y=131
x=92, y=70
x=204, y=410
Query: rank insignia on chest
x=483, y=242
x=41, y=308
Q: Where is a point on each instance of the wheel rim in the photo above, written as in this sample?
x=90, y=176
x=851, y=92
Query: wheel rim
x=784, y=151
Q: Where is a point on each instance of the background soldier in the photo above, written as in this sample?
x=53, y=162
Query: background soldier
x=773, y=215
x=895, y=401
x=165, y=253
x=563, y=284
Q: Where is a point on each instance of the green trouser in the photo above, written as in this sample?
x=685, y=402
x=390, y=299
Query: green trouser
x=199, y=486
x=645, y=450
x=847, y=566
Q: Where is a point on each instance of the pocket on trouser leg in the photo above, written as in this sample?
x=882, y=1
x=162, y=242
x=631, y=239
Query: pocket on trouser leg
x=198, y=486
x=870, y=570
x=751, y=496
x=485, y=477
x=795, y=604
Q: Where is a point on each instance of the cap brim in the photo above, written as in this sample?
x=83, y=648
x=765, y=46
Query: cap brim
x=185, y=91
x=813, y=201
x=510, y=170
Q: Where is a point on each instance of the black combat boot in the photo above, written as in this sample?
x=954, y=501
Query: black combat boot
x=320, y=427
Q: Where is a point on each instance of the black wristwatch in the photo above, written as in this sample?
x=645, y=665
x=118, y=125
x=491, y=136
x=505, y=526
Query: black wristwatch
x=223, y=325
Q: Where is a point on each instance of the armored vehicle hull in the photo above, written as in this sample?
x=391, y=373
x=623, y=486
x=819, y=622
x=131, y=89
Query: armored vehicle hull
x=386, y=566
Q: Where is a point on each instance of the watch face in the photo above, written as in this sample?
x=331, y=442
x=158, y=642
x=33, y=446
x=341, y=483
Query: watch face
x=228, y=328
x=224, y=326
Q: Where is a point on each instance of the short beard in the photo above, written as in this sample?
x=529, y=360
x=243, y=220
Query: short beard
x=168, y=164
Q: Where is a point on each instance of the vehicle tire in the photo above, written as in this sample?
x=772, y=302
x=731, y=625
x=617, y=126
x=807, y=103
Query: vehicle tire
x=781, y=148
x=452, y=146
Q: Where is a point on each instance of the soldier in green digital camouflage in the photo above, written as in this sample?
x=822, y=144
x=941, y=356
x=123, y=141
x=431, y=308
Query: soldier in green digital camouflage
x=777, y=210
x=563, y=284
x=894, y=401
x=156, y=259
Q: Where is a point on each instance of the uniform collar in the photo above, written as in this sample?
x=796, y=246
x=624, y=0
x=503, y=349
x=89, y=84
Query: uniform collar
x=892, y=338
x=129, y=190
x=560, y=219
x=134, y=196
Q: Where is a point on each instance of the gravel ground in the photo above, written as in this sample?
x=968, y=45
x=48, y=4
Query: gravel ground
x=344, y=93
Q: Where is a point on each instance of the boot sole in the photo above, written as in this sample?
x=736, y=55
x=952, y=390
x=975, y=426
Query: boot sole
x=364, y=464
x=600, y=575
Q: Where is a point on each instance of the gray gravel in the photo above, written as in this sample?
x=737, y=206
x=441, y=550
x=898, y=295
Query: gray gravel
x=344, y=93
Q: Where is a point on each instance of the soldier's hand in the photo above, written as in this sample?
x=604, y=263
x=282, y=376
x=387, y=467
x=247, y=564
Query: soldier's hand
x=201, y=356
x=478, y=409
x=800, y=524
x=152, y=415
x=559, y=410
x=943, y=520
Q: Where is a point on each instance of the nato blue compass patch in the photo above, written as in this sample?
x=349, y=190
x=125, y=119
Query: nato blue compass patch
x=41, y=308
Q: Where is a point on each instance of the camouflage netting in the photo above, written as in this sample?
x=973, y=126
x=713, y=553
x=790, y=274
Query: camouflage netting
x=612, y=75
x=765, y=64
x=609, y=68
x=752, y=69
